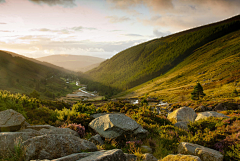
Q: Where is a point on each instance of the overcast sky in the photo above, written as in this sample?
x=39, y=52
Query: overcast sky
x=101, y=28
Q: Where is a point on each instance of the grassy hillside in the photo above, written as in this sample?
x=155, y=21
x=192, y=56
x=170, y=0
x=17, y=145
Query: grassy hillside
x=23, y=75
x=73, y=62
x=154, y=58
x=216, y=65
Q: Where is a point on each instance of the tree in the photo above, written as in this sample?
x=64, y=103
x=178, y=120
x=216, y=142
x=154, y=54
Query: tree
x=197, y=92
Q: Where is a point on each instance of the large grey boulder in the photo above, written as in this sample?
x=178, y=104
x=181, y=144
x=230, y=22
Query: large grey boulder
x=52, y=146
x=204, y=153
x=207, y=114
x=117, y=125
x=183, y=114
x=180, y=157
x=11, y=121
x=9, y=139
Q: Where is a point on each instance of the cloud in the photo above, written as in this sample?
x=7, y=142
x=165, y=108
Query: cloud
x=132, y=35
x=116, y=19
x=65, y=30
x=2, y=1
x=160, y=34
x=80, y=28
x=5, y=31
x=64, y=3
x=3, y=23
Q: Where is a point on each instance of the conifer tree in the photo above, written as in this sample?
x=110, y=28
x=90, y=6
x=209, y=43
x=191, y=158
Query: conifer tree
x=197, y=92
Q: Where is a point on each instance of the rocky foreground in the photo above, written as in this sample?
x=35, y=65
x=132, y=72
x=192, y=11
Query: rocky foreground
x=45, y=142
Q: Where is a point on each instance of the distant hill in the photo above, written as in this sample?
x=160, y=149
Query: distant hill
x=23, y=75
x=73, y=62
x=157, y=57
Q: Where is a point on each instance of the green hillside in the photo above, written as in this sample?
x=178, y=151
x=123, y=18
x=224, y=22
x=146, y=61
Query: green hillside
x=216, y=65
x=23, y=75
x=154, y=58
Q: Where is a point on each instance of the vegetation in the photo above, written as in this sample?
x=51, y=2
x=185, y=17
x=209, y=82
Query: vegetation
x=197, y=92
x=154, y=58
x=24, y=75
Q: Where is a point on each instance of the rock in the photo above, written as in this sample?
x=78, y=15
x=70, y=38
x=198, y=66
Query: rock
x=11, y=121
x=146, y=149
x=180, y=157
x=182, y=125
x=184, y=114
x=204, y=153
x=96, y=115
x=74, y=157
x=220, y=107
x=96, y=139
x=39, y=127
x=109, y=155
x=52, y=146
x=205, y=115
x=130, y=157
x=149, y=157
x=203, y=109
x=56, y=130
x=9, y=139
x=117, y=125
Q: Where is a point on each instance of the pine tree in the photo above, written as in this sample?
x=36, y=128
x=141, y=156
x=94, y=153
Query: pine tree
x=197, y=92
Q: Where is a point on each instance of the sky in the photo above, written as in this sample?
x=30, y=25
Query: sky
x=100, y=28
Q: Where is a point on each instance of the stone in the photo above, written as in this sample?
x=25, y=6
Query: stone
x=204, y=153
x=149, y=157
x=96, y=139
x=39, y=127
x=96, y=115
x=109, y=155
x=146, y=149
x=52, y=146
x=73, y=157
x=180, y=157
x=182, y=125
x=130, y=157
x=183, y=114
x=207, y=114
x=9, y=139
x=11, y=121
x=113, y=126
x=57, y=130
x=202, y=109
x=220, y=107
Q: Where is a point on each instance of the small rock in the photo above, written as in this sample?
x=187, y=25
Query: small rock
x=180, y=157
x=130, y=157
x=182, y=125
x=149, y=157
x=146, y=149
x=97, y=140
x=204, y=153
x=220, y=107
x=184, y=114
x=207, y=114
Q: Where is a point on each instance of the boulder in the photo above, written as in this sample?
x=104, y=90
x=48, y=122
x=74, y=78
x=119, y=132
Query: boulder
x=96, y=139
x=117, y=125
x=146, y=149
x=182, y=125
x=9, y=139
x=180, y=157
x=183, y=114
x=203, y=109
x=220, y=107
x=52, y=146
x=130, y=157
x=205, y=115
x=11, y=121
x=149, y=157
x=109, y=155
x=56, y=130
x=204, y=153
x=39, y=127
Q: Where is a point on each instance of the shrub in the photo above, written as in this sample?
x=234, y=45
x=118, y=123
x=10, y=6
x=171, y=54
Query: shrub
x=76, y=127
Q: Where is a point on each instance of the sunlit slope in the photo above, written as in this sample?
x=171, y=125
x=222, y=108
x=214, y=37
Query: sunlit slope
x=149, y=60
x=18, y=74
x=216, y=65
